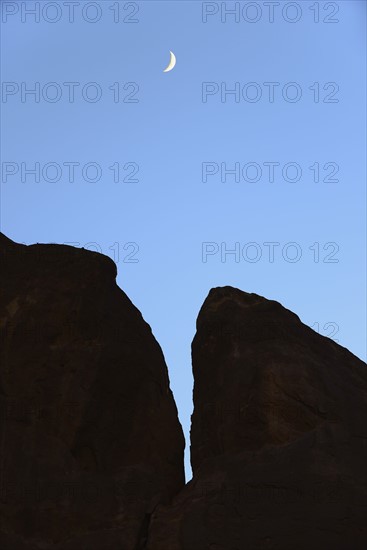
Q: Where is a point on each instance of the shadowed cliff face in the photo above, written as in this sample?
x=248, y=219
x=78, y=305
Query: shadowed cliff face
x=278, y=436
x=91, y=447
x=90, y=438
x=264, y=378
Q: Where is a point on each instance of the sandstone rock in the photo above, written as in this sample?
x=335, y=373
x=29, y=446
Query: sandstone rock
x=91, y=447
x=90, y=440
x=278, y=437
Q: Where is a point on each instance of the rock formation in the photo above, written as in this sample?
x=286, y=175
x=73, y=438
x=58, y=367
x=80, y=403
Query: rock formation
x=278, y=436
x=90, y=440
x=91, y=447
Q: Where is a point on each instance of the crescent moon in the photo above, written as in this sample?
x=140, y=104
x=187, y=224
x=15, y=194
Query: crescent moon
x=171, y=64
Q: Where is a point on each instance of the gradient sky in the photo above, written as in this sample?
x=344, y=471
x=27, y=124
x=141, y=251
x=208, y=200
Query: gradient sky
x=169, y=132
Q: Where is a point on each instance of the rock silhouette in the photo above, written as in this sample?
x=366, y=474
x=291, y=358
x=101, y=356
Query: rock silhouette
x=278, y=436
x=90, y=438
x=91, y=446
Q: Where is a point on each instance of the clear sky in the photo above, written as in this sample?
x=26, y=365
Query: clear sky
x=292, y=131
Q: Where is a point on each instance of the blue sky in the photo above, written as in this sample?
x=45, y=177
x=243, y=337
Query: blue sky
x=166, y=135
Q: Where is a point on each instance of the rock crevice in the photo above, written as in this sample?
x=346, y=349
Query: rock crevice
x=91, y=445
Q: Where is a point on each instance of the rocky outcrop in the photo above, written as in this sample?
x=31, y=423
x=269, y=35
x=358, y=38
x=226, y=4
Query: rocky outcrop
x=278, y=436
x=90, y=440
x=91, y=447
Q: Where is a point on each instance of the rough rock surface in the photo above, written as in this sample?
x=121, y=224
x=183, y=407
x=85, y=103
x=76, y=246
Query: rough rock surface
x=91, y=450
x=90, y=440
x=278, y=437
